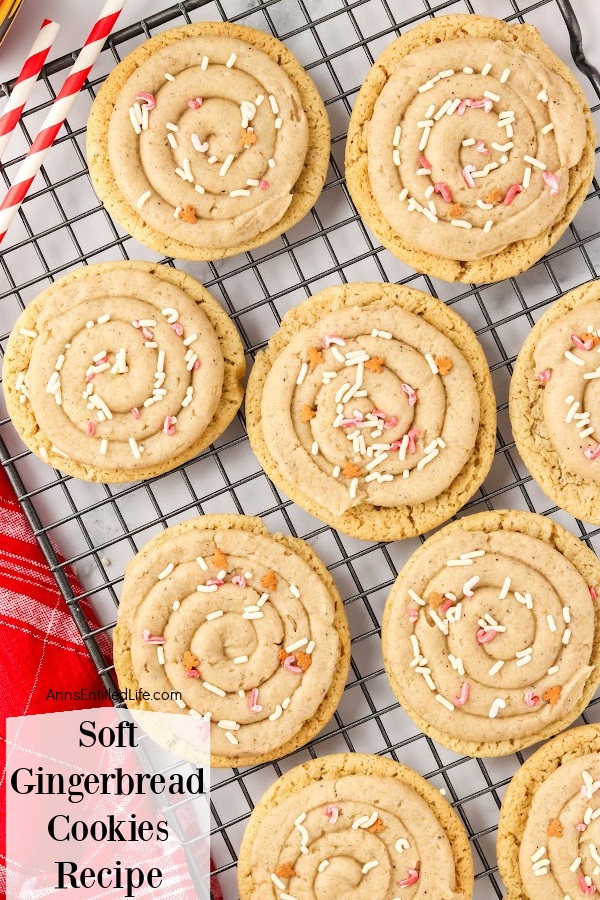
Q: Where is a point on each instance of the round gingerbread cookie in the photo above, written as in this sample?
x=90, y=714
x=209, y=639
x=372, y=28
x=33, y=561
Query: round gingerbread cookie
x=122, y=370
x=555, y=399
x=354, y=825
x=208, y=140
x=491, y=632
x=470, y=148
x=248, y=627
x=373, y=408
x=549, y=829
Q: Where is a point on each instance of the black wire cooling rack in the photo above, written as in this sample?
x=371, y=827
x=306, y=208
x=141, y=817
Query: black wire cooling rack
x=99, y=527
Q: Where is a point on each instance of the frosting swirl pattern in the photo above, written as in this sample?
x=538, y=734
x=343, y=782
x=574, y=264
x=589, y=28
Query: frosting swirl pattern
x=243, y=626
x=490, y=637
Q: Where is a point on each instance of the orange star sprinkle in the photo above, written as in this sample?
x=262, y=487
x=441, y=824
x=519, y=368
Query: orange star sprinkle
x=552, y=695
x=285, y=870
x=247, y=137
x=307, y=413
x=303, y=660
x=283, y=655
x=435, y=599
x=375, y=364
x=456, y=211
x=350, y=470
x=269, y=581
x=555, y=828
x=496, y=196
x=376, y=827
x=219, y=559
x=314, y=357
x=188, y=214
x=444, y=364
x=190, y=661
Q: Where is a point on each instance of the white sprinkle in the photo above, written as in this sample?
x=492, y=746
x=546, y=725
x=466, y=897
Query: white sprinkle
x=27, y=332
x=566, y=636
x=166, y=571
x=426, y=87
x=403, y=194
x=402, y=844
x=547, y=128
x=204, y=63
x=262, y=600
x=488, y=226
x=538, y=854
x=278, y=123
x=172, y=140
x=460, y=223
x=225, y=167
x=214, y=690
x=446, y=73
x=103, y=446
x=214, y=615
x=459, y=562
x=496, y=667
x=143, y=198
x=207, y=588
x=353, y=488
x=543, y=96
x=574, y=359
x=504, y=77
x=315, y=448
x=296, y=645
x=432, y=365
x=397, y=134
x=496, y=706
x=483, y=205
x=231, y=61
x=424, y=138
x=336, y=472
x=553, y=670
x=302, y=375
x=491, y=96
x=323, y=865
x=535, y=162
x=201, y=563
x=271, y=163
x=134, y=447
x=169, y=77
x=468, y=142
x=180, y=703
x=134, y=121
x=551, y=623
x=160, y=653
x=486, y=69
x=240, y=659
x=396, y=157
x=575, y=864
x=427, y=459
x=176, y=605
x=449, y=706
x=505, y=589
x=310, y=647
x=414, y=596
x=231, y=738
x=277, y=882
x=369, y=865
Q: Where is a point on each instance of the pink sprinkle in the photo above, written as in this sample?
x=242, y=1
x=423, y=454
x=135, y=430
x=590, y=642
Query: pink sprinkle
x=581, y=826
x=484, y=637
x=583, y=345
x=424, y=162
x=379, y=413
x=413, y=615
x=196, y=365
x=238, y=579
x=150, y=639
x=442, y=188
x=593, y=594
x=177, y=327
x=531, y=699
x=148, y=99
x=485, y=104
x=217, y=581
x=410, y=393
x=584, y=887
x=465, y=690
x=288, y=664
x=90, y=376
x=330, y=339
x=391, y=422
x=90, y=428
x=135, y=412
x=511, y=193
x=544, y=375
x=446, y=605
x=552, y=181
x=413, y=434
x=590, y=453
x=195, y=103
x=481, y=147
x=462, y=107
x=357, y=418
x=169, y=426
x=264, y=184
x=413, y=877
x=332, y=813
x=148, y=333
x=136, y=323
x=193, y=673
x=253, y=703
x=466, y=174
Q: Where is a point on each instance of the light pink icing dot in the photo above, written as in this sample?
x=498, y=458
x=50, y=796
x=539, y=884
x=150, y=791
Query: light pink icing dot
x=466, y=174
x=485, y=103
x=332, y=813
x=135, y=412
x=593, y=594
x=391, y=422
x=90, y=376
x=512, y=192
x=91, y=428
x=481, y=148
x=410, y=393
x=552, y=181
x=217, y=581
x=583, y=345
x=581, y=826
x=413, y=877
x=544, y=375
x=253, y=704
x=289, y=665
x=413, y=434
x=442, y=188
x=148, y=99
x=238, y=579
x=531, y=699
x=446, y=605
x=148, y=333
x=484, y=637
x=196, y=364
x=584, y=887
x=413, y=615
x=465, y=690
x=151, y=639
x=195, y=103
x=169, y=426
x=590, y=453
x=330, y=339
x=177, y=327
x=264, y=184
x=193, y=673
x=424, y=162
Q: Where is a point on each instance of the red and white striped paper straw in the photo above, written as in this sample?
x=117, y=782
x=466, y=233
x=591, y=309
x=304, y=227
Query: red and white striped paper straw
x=26, y=80
x=58, y=112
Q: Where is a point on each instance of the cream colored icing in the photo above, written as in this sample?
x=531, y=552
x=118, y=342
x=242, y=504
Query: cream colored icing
x=301, y=820
x=548, y=616
x=570, y=863
x=516, y=82
x=571, y=379
x=445, y=415
x=234, y=75
x=252, y=621
x=142, y=380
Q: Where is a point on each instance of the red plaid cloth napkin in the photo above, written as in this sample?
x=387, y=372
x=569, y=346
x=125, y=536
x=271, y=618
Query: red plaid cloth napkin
x=40, y=647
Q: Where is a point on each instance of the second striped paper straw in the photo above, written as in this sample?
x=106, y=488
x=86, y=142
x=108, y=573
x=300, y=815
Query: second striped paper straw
x=26, y=80
x=58, y=112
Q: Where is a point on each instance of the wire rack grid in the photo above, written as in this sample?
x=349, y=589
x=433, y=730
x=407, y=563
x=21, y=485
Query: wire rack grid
x=97, y=528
